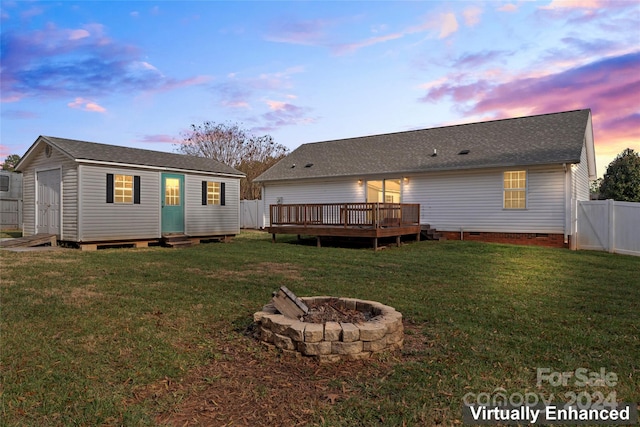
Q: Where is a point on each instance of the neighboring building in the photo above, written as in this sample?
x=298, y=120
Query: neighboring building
x=88, y=192
x=513, y=180
x=10, y=200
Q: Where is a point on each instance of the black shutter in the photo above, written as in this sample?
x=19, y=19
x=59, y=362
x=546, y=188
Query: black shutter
x=222, y=195
x=204, y=193
x=136, y=190
x=109, y=188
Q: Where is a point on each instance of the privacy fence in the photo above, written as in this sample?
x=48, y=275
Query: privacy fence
x=251, y=214
x=608, y=225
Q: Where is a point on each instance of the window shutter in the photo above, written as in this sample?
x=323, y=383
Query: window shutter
x=109, y=188
x=204, y=193
x=222, y=195
x=136, y=190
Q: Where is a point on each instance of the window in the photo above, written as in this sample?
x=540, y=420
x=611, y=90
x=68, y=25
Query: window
x=123, y=189
x=515, y=190
x=4, y=183
x=386, y=191
x=213, y=193
x=172, y=192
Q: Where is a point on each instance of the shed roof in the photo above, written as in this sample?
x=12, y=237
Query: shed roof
x=92, y=152
x=533, y=140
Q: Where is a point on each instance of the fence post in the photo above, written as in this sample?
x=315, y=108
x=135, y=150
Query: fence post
x=611, y=225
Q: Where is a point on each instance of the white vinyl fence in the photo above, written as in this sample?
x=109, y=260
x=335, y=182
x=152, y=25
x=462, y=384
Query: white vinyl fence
x=607, y=225
x=251, y=214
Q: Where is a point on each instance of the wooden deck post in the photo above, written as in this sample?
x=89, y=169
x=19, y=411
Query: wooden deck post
x=318, y=243
x=273, y=237
x=375, y=243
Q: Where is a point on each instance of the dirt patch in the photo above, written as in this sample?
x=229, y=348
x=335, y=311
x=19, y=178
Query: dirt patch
x=249, y=385
x=331, y=311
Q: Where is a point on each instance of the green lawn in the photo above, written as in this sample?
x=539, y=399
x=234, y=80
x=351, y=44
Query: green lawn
x=83, y=333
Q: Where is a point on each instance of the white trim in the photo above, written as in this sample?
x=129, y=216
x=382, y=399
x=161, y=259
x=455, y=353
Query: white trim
x=158, y=168
x=79, y=216
x=60, y=198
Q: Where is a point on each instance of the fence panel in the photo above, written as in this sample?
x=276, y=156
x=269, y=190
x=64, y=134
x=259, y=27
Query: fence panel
x=251, y=214
x=607, y=225
x=10, y=214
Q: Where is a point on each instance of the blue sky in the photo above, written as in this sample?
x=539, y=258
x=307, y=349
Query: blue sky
x=139, y=73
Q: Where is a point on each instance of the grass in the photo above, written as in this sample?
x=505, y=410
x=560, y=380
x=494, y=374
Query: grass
x=10, y=233
x=82, y=333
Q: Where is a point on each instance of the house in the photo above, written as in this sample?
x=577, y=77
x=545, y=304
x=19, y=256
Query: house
x=89, y=192
x=514, y=180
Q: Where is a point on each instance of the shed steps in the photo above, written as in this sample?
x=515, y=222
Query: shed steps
x=39, y=239
x=177, y=241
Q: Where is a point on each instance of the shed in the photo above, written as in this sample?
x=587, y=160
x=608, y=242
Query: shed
x=513, y=180
x=10, y=200
x=90, y=192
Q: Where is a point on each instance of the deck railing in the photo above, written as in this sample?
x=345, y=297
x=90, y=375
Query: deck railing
x=374, y=215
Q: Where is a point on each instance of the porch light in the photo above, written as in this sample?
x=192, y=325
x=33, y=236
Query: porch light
x=360, y=182
x=405, y=179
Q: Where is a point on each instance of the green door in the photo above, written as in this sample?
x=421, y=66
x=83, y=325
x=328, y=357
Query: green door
x=172, y=203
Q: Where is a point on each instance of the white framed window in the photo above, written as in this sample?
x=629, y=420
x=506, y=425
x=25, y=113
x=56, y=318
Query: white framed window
x=123, y=189
x=515, y=190
x=213, y=193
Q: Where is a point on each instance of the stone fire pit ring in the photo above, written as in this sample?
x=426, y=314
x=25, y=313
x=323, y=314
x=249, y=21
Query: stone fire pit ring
x=333, y=341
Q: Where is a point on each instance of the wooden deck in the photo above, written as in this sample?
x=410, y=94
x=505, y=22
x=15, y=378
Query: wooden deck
x=367, y=220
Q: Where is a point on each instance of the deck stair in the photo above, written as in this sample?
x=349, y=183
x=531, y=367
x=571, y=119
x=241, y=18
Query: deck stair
x=39, y=239
x=176, y=241
x=428, y=233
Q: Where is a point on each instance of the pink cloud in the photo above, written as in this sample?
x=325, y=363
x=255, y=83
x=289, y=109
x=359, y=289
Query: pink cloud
x=4, y=152
x=157, y=138
x=472, y=15
x=575, y=4
x=86, y=105
x=509, y=7
x=449, y=25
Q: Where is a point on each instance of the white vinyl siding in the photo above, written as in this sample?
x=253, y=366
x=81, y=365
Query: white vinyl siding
x=580, y=185
x=68, y=188
x=473, y=201
x=216, y=219
x=345, y=190
x=102, y=221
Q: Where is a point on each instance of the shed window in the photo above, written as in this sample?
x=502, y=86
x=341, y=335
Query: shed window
x=123, y=189
x=515, y=189
x=213, y=193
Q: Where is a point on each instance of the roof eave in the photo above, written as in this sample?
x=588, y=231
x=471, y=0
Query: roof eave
x=27, y=156
x=163, y=168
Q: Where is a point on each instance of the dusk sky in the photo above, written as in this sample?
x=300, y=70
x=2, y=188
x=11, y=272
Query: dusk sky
x=139, y=73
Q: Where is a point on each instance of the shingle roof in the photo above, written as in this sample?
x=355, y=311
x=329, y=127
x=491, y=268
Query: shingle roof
x=92, y=151
x=533, y=140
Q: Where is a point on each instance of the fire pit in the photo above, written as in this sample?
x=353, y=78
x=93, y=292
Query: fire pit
x=332, y=329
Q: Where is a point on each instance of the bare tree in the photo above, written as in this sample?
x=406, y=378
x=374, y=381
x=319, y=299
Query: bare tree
x=232, y=145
